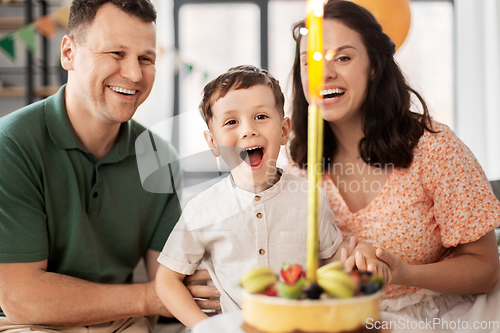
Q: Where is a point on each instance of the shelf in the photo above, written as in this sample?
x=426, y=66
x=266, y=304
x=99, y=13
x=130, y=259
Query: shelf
x=15, y=14
x=43, y=91
x=12, y=22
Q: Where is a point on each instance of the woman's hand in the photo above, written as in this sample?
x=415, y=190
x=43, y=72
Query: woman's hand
x=395, y=264
x=362, y=255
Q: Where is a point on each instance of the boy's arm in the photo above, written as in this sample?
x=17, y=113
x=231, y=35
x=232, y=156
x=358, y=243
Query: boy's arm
x=177, y=298
x=332, y=247
x=208, y=295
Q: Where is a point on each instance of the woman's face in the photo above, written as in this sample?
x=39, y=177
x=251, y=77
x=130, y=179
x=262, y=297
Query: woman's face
x=347, y=72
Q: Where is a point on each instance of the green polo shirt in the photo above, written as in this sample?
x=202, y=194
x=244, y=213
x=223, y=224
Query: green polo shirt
x=91, y=219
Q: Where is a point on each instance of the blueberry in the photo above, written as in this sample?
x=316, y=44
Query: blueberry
x=314, y=291
x=379, y=280
x=370, y=288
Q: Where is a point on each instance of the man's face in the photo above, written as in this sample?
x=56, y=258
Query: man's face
x=112, y=70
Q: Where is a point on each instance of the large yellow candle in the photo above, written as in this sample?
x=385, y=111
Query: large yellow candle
x=314, y=23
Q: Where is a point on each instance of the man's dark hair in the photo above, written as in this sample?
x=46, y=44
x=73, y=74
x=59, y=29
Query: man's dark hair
x=83, y=12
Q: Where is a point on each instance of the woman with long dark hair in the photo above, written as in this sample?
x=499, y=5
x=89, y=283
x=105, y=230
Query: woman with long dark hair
x=396, y=178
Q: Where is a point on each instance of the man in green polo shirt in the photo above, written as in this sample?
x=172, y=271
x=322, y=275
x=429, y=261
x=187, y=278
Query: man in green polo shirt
x=74, y=218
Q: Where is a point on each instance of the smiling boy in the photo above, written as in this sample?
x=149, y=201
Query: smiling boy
x=254, y=217
x=248, y=127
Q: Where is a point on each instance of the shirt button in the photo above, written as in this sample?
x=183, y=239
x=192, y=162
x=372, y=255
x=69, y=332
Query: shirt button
x=95, y=195
x=262, y=251
x=257, y=198
x=259, y=215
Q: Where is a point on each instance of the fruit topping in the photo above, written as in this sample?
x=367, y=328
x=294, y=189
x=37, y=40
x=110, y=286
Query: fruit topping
x=294, y=291
x=258, y=279
x=373, y=285
x=291, y=273
x=332, y=282
x=270, y=291
x=336, y=265
x=314, y=291
x=337, y=283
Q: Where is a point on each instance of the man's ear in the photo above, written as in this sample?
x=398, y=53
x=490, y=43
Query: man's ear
x=68, y=48
x=209, y=138
x=285, y=130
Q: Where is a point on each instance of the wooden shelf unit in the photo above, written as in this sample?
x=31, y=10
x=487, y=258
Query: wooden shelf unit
x=43, y=91
x=12, y=23
x=25, y=12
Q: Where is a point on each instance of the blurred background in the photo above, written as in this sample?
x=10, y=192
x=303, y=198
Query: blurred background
x=450, y=56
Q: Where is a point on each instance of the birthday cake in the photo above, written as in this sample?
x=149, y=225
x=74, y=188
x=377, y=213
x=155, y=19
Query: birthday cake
x=338, y=302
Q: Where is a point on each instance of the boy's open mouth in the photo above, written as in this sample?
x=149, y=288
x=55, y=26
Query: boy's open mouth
x=252, y=156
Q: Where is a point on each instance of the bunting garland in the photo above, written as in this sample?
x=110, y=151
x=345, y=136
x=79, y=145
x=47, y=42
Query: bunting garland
x=7, y=45
x=190, y=68
x=26, y=35
x=61, y=16
x=45, y=25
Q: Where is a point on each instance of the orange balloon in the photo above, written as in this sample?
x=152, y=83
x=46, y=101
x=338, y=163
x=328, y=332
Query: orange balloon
x=393, y=15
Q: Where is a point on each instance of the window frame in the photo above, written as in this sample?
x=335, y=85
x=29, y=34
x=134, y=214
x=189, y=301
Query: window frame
x=264, y=59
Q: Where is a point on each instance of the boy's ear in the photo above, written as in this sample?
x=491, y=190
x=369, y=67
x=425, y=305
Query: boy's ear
x=285, y=130
x=68, y=48
x=211, y=143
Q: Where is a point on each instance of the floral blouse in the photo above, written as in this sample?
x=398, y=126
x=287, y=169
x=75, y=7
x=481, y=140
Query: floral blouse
x=443, y=199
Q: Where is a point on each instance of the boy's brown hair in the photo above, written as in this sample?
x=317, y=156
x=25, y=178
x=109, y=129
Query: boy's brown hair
x=239, y=77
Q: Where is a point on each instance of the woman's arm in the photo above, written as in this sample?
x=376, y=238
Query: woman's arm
x=177, y=298
x=473, y=270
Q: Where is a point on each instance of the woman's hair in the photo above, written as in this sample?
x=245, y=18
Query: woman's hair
x=390, y=129
x=239, y=77
x=83, y=12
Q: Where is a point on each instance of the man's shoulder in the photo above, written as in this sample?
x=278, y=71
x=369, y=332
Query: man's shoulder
x=24, y=124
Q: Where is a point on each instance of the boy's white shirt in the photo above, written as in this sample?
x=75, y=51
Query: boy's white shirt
x=221, y=229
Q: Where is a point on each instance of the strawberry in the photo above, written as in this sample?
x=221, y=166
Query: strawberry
x=270, y=291
x=356, y=277
x=291, y=273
